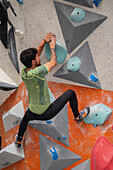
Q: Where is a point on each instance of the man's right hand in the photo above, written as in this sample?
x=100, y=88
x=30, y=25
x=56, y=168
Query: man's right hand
x=52, y=43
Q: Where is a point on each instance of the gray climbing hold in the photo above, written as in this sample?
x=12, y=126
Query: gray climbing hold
x=83, y=166
x=87, y=3
x=77, y=14
x=13, y=117
x=86, y=69
x=75, y=32
x=98, y=114
x=61, y=52
x=65, y=157
x=10, y=155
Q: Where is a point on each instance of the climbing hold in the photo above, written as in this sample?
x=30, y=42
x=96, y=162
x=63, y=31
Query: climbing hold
x=13, y=117
x=10, y=155
x=61, y=52
x=96, y=2
x=49, y=121
x=19, y=33
x=54, y=153
x=77, y=14
x=64, y=137
x=102, y=155
x=20, y=1
x=95, y=126
x=74, y=64
x=93, y=78
x=98, y=114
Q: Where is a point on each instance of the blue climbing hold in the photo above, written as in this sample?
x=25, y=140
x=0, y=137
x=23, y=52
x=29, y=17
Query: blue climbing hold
x=77, y=14
x=93, y=78
x=64, y=137
x=61, y=52
x=54, y=153
x=74, y=64
x=20, y=1
x=98, y=114
x=49, y=121
x=96, y=2
x=95, y=126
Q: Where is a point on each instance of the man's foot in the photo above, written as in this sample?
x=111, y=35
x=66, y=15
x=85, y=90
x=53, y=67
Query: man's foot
x=17, y=143
x=83, y=114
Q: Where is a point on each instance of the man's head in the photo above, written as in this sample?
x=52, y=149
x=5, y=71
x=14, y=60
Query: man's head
x=30, y=57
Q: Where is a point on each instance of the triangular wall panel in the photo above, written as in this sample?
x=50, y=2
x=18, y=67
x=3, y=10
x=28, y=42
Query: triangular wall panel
x=75, y=32
x=65, y=157
x=87, y=68
x=6, y=83
x=13, y=117
x=10, y=154
x=56, y=128
x=83, y=166
x=87, y=3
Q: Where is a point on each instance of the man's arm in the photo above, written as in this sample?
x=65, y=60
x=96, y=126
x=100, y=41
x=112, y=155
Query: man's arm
x=53, y=61
x=45, y=40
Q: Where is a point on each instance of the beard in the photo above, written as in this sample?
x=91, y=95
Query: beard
x=36, y=64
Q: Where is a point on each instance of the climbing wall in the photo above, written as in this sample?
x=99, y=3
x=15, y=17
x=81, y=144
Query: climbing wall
x=84, y=51
x=82, y=137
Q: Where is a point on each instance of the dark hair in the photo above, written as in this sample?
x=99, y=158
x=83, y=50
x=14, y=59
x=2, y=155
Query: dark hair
x=27, y=56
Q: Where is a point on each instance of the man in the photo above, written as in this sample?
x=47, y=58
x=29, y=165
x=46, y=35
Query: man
x=33, y=75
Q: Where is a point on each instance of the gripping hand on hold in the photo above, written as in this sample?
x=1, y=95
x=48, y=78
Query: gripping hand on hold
x=47, y=38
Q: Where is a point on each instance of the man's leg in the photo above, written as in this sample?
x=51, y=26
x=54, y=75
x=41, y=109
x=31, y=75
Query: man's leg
x=23, y=125
x=59, y=103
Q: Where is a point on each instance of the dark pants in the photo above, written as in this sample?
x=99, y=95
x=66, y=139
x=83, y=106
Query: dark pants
x=51, y=112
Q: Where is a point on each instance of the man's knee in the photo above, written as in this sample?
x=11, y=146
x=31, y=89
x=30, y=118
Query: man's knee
x=71, y=92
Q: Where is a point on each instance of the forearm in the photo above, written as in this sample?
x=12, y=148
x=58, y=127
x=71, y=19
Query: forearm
x=40, y=47
x=53, y=55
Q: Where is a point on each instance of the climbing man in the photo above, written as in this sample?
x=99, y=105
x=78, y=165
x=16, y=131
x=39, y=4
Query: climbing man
x=33, y=75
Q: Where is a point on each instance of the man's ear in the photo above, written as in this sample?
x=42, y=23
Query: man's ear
x=33, y=62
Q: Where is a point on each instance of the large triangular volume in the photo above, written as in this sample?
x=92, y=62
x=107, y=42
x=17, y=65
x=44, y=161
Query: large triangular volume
x=10, y=155
x=87, y=68
x=6, y=83
x=12, y=49
x=56, y=128
x=75, y=32
x=61, y=157
x=13, y=117
x=83, y=166
x=87, y=3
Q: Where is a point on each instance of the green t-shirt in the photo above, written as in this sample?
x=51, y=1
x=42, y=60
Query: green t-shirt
x=36, y=85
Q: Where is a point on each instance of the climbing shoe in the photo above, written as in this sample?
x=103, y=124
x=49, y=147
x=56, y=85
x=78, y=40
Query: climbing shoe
x=17, y=143
x=83, y=114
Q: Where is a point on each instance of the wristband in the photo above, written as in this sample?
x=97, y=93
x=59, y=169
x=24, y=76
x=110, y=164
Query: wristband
x=44, y=41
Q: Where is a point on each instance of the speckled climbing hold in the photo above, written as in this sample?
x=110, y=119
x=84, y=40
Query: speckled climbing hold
x=77, y=14
x=102, y=155
x=61, y=52
x=96, y=2
x=98, y=114
x=74, y=64
x=54, y=153
x=93, y=78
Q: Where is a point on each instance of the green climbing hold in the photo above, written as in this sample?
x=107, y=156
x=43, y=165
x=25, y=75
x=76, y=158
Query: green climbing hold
x=77, y=15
